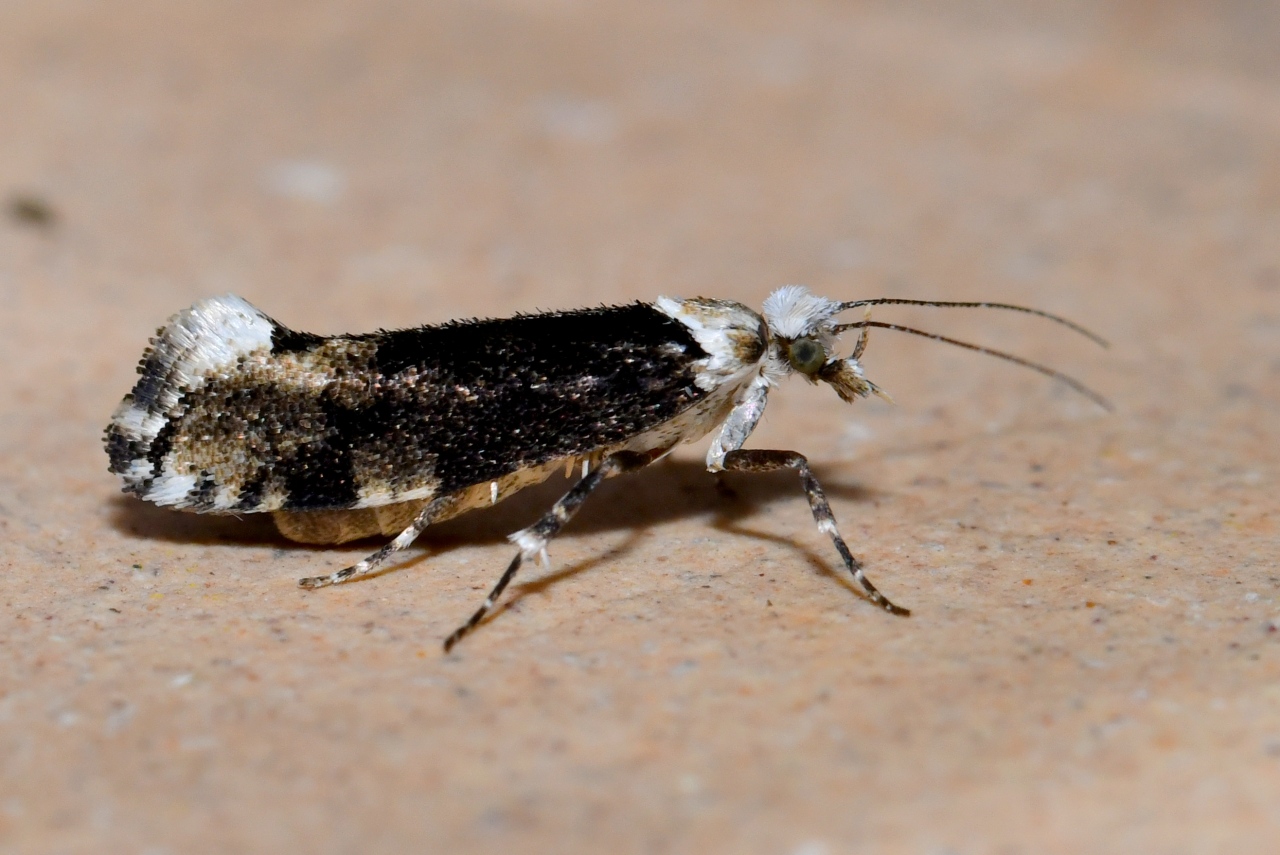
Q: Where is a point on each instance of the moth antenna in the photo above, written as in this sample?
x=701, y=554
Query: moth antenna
x=949, y=304
x=999, y=354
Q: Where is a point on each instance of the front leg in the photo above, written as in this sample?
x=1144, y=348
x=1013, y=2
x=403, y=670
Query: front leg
x=740, y=460
x=739, y=424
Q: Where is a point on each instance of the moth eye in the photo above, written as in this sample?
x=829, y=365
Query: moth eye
x=806, y=355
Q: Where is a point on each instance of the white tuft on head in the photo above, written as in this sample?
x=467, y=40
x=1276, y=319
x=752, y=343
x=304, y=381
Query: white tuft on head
x=792, y=312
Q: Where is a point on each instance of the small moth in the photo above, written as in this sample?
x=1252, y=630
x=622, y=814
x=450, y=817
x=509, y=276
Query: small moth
x=352, y=436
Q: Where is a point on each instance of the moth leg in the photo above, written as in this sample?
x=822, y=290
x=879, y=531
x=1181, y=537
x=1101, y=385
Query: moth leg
x=403, y=540
x=766, y=461
x=533, y=540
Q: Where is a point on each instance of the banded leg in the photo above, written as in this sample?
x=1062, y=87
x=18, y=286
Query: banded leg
x=533, y=540
x=767, y=461
x=403, y=540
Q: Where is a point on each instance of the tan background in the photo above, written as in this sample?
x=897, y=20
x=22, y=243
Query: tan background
x=1094, y=660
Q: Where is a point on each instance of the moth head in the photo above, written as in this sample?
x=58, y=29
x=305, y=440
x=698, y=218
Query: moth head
x=803, y=335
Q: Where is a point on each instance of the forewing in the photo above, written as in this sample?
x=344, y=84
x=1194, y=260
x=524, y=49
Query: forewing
x=261, y=418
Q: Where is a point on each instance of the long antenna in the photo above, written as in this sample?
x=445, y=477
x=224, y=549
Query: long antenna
x=947, y=304
x=1009, y=357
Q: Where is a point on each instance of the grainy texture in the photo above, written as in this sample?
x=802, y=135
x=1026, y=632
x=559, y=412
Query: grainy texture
x=1092, y=663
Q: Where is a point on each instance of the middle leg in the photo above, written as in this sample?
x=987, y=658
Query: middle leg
x=533, y=540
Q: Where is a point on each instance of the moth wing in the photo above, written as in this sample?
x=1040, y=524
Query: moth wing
x=235, y=413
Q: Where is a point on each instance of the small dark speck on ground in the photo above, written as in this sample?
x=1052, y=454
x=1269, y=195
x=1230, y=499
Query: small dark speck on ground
x=29, y=210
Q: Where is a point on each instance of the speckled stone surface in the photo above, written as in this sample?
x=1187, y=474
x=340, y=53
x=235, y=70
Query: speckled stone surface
x=1093, y=662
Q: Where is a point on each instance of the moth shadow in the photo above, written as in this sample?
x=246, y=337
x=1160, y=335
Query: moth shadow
x=668, y=490
x=151, y=522
x=827, y=565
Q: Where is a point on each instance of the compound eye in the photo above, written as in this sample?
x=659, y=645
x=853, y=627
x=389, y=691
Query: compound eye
x=806, y=355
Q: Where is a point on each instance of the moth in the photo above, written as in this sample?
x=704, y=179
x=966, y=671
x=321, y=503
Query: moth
x=353, y=436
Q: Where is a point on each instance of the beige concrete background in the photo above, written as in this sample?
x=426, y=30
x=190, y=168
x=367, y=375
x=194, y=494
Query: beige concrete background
x=1093, y=663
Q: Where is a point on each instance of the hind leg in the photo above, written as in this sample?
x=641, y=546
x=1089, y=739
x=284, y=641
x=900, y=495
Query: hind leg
x=403, y=540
